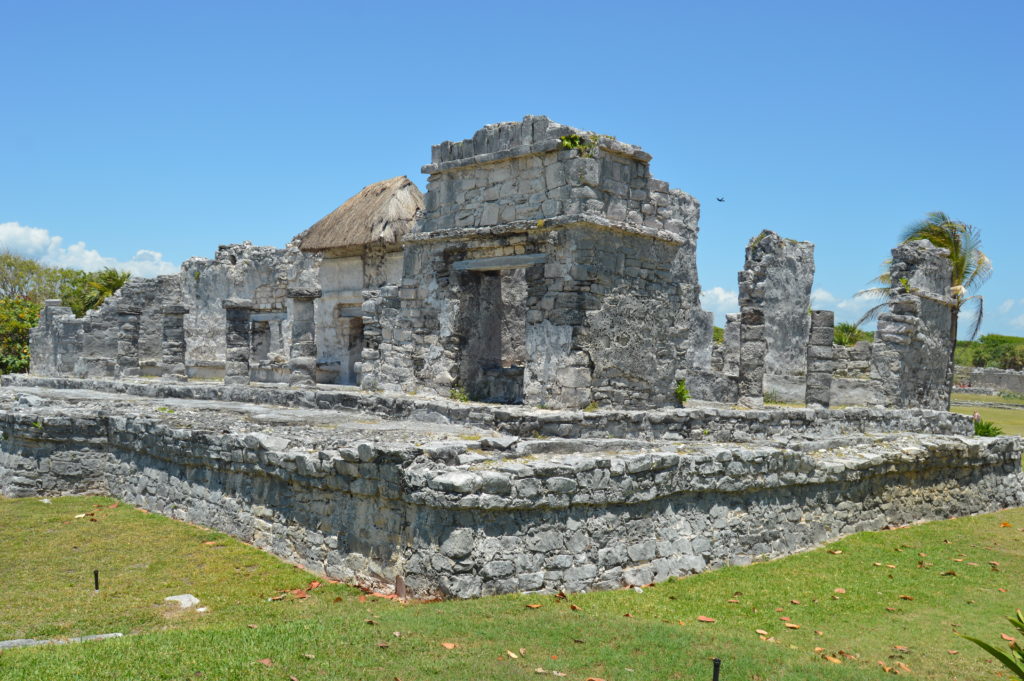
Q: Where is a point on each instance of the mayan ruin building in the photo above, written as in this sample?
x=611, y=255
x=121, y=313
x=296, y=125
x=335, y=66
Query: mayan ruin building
x=475, y=390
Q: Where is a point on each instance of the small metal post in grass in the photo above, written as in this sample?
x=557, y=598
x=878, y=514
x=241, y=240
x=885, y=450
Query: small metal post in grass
x=718, y=666
x=96, y=580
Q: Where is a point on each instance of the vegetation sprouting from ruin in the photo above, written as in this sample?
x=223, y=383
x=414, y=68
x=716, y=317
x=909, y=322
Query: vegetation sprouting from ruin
x=24, y=286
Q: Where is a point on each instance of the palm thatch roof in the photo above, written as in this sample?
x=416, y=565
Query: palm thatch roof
x=381, y=213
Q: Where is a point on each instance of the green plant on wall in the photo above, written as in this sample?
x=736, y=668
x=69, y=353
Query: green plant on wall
x=586, y=145
x=682, y=394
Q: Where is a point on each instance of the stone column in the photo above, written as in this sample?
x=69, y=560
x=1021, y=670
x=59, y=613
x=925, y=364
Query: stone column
x=731, y=352
x=173, y=344
x=752, y=351
x=820, y=359
x=238, y=332
x=302, y=355
x=128, y=341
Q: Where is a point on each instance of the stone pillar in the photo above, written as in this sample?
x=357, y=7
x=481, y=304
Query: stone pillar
x=731, y=363
x=128, y=341
x=302, y=355
x=752, y=351
x=238, y=332
x=173, y=344
x=820, y=359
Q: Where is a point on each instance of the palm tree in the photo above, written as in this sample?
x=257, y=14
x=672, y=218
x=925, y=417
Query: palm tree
x=104, y=284
x=971, y=267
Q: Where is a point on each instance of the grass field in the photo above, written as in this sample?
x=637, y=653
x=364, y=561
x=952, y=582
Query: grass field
x=1010, y=420
x=863, y=604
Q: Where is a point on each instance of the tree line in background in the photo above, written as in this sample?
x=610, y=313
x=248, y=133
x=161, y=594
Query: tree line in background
x=992, y=350
x=26, y=284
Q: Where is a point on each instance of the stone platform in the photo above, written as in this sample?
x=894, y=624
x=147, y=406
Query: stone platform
x=433, y=497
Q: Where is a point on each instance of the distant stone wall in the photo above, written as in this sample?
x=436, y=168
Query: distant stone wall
x=439, y=520
x=996, y=380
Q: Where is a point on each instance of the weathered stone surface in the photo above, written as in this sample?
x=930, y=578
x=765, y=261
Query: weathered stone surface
x=574, y=520
x=912, y=352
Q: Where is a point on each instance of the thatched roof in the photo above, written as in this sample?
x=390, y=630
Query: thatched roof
x=381, y=213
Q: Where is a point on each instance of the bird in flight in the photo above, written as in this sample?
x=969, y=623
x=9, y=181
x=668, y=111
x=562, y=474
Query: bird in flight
x=720, y=199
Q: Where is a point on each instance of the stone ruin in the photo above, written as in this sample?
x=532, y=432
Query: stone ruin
x=473, y=391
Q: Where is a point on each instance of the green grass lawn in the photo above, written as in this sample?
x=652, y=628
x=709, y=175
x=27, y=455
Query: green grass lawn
x=1010, y=420
x=995, y=399
x=894, y=597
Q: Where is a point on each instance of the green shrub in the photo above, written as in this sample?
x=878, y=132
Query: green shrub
x=682, y=394
x=1014, y=661
x=718, y=334
x=459, y=394
x=17, y=317
x=845, y=333
x=992, y=350
x=986, y=428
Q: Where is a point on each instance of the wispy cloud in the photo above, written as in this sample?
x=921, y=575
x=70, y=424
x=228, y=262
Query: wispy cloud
x=1006, y=306
x=721, y=302
x=33, y=242
x=846, y=309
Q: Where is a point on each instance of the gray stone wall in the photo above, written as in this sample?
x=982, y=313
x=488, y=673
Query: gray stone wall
x=853, y=361
x=437, y=519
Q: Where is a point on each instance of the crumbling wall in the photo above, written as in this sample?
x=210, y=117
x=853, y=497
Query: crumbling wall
x=122, y=337
x=259, y=273
x=776, y=279
x=912, y=352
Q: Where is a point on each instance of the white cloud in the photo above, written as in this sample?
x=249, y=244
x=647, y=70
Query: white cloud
x=1006, y=306
x=820, y=298
x=33, y=242
x=1018, y=322
x=721, y=302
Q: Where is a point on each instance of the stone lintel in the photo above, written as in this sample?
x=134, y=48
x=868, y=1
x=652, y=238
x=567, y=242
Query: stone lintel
x=506, y=262
x=593, y=220
x=174, y=310
x=300, y=292
x=236, y=303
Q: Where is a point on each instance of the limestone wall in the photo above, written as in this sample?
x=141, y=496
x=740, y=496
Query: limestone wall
x=438, y=519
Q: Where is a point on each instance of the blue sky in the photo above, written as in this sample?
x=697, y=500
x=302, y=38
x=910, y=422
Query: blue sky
x=144, y=133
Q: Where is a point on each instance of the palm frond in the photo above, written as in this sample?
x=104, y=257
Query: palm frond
x=978, y=316
x=872, y=313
